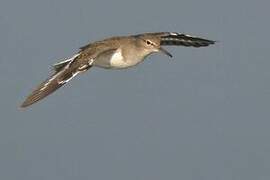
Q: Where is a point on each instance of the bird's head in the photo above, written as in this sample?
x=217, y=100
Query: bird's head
x=151, y=44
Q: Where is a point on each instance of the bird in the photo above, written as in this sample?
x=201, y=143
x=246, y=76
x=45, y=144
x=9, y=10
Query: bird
x=117, y=52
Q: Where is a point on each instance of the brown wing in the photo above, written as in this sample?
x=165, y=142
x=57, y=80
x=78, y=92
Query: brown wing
x=177, y=39
x=50, y=85
x=184, y=40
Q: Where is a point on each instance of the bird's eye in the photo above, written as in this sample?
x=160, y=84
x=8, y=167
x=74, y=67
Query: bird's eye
x=148, y=42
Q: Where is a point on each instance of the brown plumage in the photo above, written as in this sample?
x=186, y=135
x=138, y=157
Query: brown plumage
x=112, y=53
x=57, y=80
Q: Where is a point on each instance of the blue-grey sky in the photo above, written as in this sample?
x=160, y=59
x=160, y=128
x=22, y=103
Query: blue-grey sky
x=203, y=115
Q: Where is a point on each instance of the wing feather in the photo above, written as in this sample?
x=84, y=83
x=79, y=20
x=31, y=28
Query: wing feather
x=57, y=80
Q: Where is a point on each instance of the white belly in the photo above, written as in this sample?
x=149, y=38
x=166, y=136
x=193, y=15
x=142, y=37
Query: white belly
x=117, y=61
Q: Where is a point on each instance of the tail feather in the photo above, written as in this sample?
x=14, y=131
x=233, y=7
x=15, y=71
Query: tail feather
x=50, y=85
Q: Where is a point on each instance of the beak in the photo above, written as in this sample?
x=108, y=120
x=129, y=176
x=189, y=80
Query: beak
x=161, y=49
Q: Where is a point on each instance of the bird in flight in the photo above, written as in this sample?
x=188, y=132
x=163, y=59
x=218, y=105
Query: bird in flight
x=112, y=53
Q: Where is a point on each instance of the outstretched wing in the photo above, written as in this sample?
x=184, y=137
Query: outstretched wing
x=60, y=65
x=64, y=72
x=50, y=85
x=183, y=40
x=178, y=39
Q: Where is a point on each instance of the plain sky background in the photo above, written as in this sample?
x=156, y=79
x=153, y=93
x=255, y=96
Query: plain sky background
x=203, y=115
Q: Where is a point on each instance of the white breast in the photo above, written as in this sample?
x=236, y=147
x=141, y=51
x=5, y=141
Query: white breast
x=117, y=60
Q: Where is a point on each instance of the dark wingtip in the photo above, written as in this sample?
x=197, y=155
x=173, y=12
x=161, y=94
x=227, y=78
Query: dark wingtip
x=29, y=101
x=25, y=104
x=185, y=40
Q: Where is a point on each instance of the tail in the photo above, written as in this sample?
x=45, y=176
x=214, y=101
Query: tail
x=184, y=40
x=50, y=85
